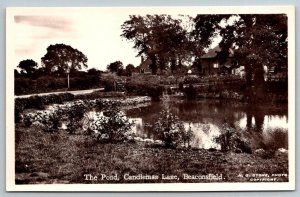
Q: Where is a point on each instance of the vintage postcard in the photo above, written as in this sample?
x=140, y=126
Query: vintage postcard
x=150, y=98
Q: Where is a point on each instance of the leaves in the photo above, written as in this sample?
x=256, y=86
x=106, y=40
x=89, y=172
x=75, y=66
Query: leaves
x=28, y=66
x=61, y=58
x=160, y=38
x=171, y=130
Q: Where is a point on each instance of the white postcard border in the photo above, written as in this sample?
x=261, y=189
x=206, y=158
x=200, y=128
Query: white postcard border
x=10, y=145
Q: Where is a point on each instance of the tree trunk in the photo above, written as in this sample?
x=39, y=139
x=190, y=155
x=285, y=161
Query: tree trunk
x=259, y=84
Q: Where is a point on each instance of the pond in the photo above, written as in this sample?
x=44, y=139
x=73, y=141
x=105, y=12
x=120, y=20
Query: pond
x=263, y=126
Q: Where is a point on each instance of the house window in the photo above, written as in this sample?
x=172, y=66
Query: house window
x=216, y=65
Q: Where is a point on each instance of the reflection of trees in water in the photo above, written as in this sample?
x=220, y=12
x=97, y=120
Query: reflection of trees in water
x=217, y=112
x=269, y=139
x=204, y=112
x=258, y=121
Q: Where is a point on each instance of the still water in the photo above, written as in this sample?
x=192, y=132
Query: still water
x=262, y=126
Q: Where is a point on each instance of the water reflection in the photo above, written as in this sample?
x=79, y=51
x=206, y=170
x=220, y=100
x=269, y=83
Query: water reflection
x=265, y=123
x=263, y=127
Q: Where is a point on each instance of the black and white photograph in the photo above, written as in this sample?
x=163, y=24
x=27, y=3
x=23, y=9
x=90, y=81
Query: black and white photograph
x=150, y=99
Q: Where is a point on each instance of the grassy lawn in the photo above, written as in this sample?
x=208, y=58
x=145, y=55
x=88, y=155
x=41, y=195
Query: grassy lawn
x=63, y=158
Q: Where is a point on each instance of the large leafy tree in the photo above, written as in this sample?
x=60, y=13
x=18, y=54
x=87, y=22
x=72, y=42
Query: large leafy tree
x=62, y=58
x=129, y=69
x=115, y=67
x=28, y=66
x=258, y=40
x=160, y=38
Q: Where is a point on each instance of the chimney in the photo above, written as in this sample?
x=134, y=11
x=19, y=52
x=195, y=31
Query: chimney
x=142, y=59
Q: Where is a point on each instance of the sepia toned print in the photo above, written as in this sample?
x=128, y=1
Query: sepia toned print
x=150, y=99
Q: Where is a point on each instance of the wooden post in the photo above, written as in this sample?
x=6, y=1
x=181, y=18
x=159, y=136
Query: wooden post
x=68, y=80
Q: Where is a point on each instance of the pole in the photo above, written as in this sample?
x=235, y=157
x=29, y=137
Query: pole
x=68, y=80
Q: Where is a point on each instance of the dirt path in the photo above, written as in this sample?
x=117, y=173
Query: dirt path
x=76, y=92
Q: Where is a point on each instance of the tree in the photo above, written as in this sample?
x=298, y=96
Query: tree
x=28, y=66
x=160, y=38
x=115, y=67
x=129, y=69
x=61, y=59
x=197, y=65
x=16, y=73
x=259, y=40
x=93, y=71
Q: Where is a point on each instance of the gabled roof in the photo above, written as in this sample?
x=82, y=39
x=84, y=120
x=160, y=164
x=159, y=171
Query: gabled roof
x=212, y=53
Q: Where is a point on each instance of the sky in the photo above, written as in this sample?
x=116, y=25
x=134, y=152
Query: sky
x=94, y=32
x=97, y=38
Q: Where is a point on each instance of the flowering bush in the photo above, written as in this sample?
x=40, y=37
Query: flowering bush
x=48, y=119
x=112, y=126
x=171, y=130
x=74, y=116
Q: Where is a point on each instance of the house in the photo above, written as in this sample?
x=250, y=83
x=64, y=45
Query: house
x=276, y=73
x=144, y=67
x=211, y=64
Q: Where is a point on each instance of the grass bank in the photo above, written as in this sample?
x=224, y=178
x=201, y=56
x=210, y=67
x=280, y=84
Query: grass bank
x=63, y=158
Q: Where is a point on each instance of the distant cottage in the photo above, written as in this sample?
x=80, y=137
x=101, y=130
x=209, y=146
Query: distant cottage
x=211, y=64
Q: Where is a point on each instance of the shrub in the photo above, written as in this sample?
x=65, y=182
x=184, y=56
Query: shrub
x=49, y=120
x=171, y=130
x=231, y=140
x=145, y=89
x=113, y=126
x=37, y=102
x=99, y=94
x=75, y=115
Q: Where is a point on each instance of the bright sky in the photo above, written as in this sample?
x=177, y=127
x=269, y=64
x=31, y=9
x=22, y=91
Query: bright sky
x=94, y=32
x=97, y=38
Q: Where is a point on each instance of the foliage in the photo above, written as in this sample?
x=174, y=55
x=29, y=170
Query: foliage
x=94, y=71
x=129, y=69
x=61, y=58
x=257, y=40
x=39, y=102
x=231, y=140
x=144, y=89
x=49, y=120
x=42, y=84
x=52, y=118
x=160, y=38
x=28, y=66
x=115, y=67
x=112, y=125
x=74, y=116
x=171, y=130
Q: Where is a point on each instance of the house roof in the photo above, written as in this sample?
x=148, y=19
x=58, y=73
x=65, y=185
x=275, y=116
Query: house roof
x=212, y=53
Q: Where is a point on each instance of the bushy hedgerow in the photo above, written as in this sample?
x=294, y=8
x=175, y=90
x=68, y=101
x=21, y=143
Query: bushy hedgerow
x=39, y=102
x=145, y=89
x=111, y=125
x=42, y=84
x=99, y=94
